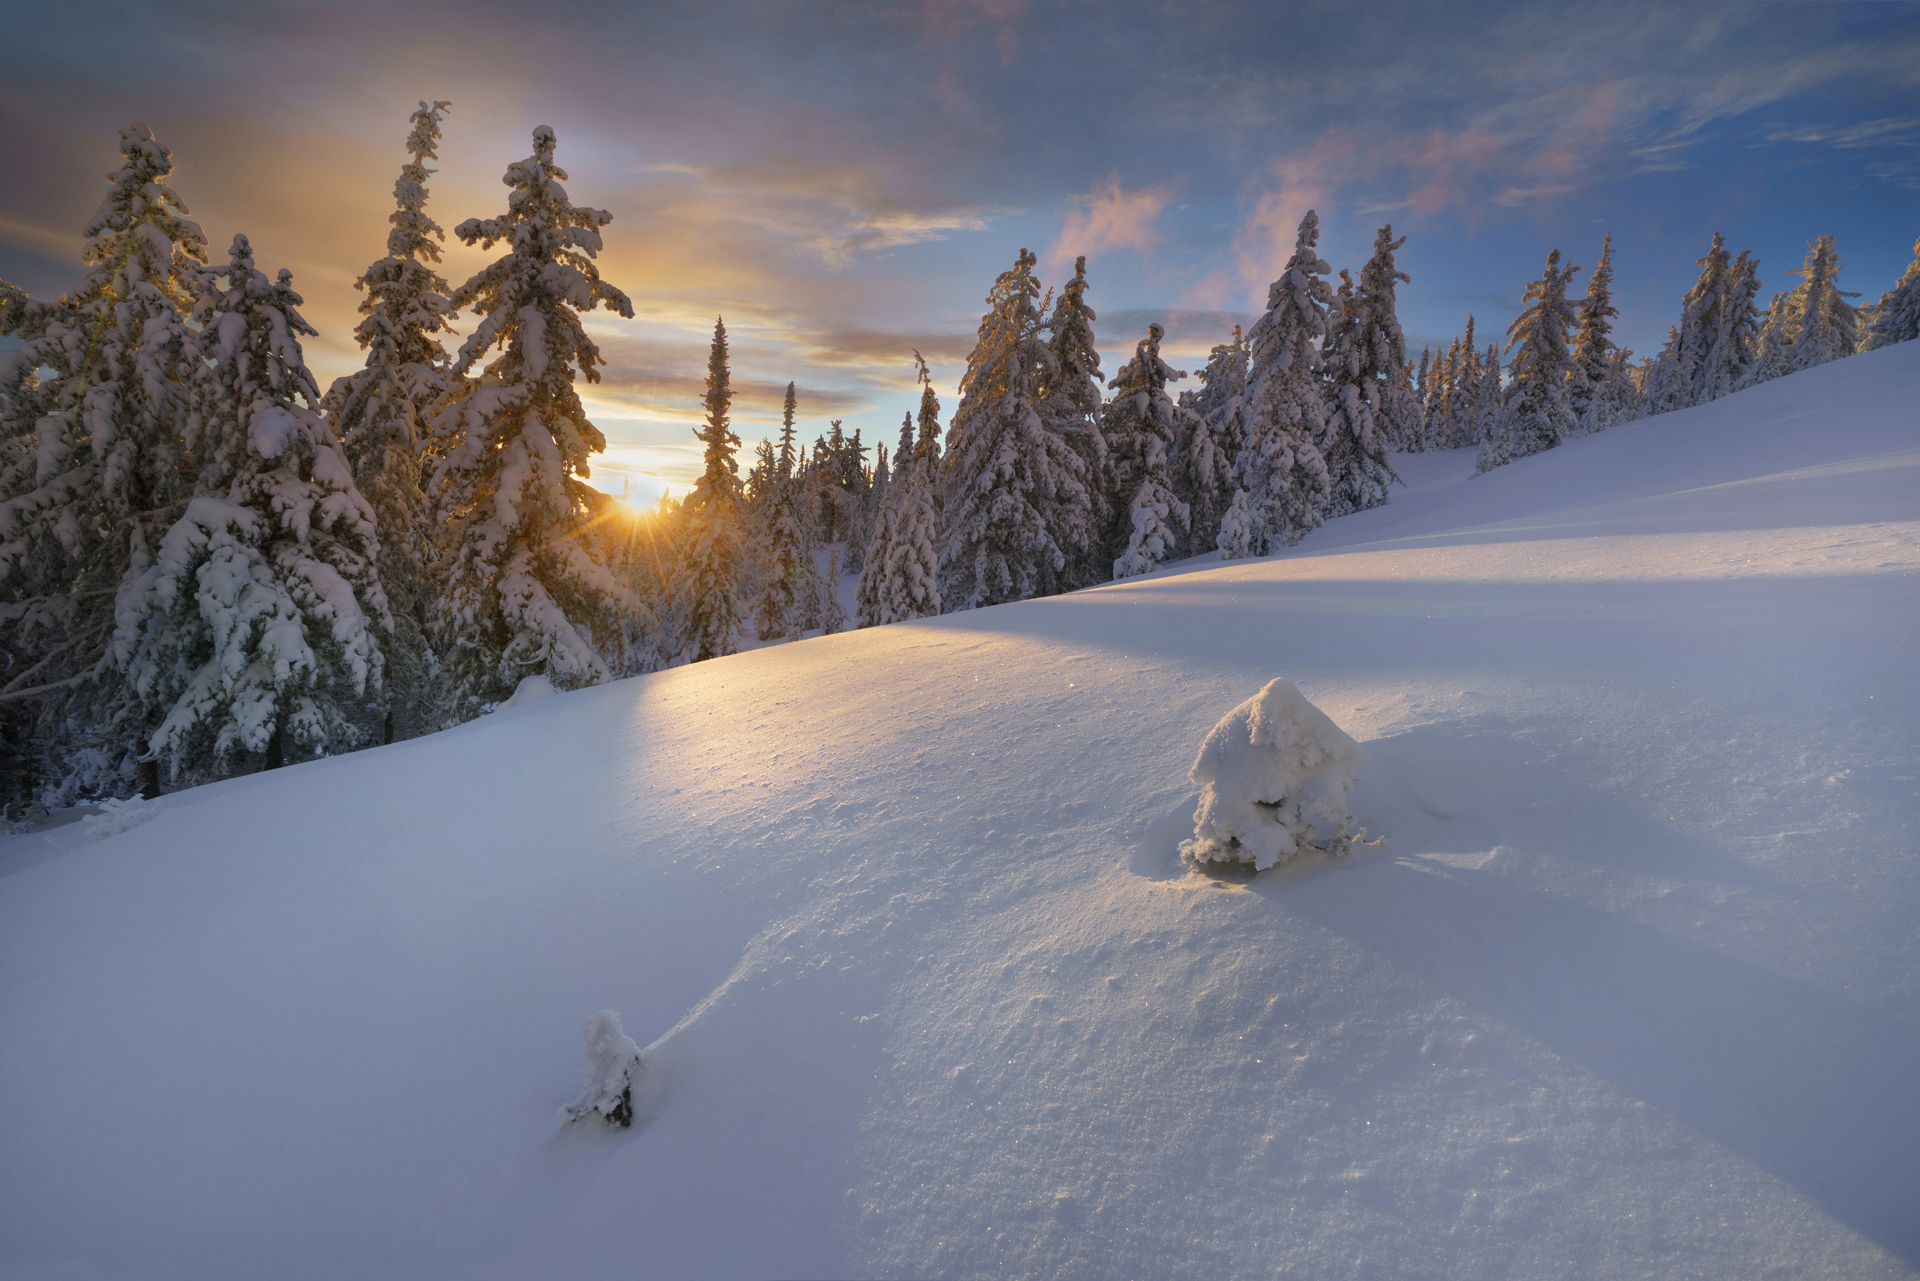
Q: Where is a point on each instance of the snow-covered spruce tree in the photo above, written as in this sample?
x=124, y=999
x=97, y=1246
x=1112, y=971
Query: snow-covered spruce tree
x=911, y=585
x=1417, y=443
x=1071, y=404
x=787, y=571
x=1618, y=398
x=1281, y=466
x=1012, y=487
x=1489, y=408
x=254, y=632
x=832, y=616
x=1211, y=436
x=1440, y=400
x=1142, y=426
x=95, y=470
x=1734, y=336
x=1355, y=445
x=1375, y=335
x=870, y=602
x=1773, y=349
x=1593, y=339
x=381, y=413
x=1829, y=324
x=1536, y=416
x=1463, y=390
x=524, y=594
x=1896, y=317
x=705, y=591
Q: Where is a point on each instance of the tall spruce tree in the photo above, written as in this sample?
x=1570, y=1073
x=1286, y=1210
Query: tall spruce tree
x=912, y=583
x=1896, y=317
x=254, y=633
x=787, y=573
x=1212, y=434
x=1829, y=324
x=1356, y=438
x=381, y=415
x=525, y=595
x=1012, y=486
x=1417, y=442
x=1380, y=345
x=1734, y=336
x=1142, y=425
x=1071, y=405
x=95, y=470
x=1281, y=467
x=1535, y=414
x=706, y=583
x=1593, y=339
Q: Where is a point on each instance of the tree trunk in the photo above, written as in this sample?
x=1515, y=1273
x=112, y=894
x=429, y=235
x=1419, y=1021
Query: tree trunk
x=276, y=755
x=389, y=737
x=150, y=780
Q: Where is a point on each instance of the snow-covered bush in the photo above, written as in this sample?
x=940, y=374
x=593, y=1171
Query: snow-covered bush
x=117, y=816
x=1273, y=771
x=613, y=1065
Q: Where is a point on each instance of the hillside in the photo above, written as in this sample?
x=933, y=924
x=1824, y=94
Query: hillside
x=1629, y=989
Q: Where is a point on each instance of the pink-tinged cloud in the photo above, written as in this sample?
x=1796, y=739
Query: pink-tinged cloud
x=1110, y=218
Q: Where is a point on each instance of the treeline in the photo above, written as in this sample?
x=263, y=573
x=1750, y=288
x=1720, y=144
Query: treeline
x=207, y=566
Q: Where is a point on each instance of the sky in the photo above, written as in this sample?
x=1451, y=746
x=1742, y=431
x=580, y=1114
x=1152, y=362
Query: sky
x=843, y=181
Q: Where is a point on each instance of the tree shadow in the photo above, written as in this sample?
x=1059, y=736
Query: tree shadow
x=1813, y=1087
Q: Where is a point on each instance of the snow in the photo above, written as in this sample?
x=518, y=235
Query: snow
x=531, y=689
x=613, y=1065
x=1271, y=773
x=1629, y=990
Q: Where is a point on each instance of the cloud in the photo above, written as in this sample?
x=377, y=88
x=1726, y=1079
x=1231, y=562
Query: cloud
x=1110, y=219
x=832, y=211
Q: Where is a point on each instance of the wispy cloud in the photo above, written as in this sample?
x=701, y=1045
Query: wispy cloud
x=1109, y=218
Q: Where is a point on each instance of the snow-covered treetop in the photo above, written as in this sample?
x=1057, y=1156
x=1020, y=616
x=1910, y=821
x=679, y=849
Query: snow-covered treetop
x=141, y=235
x=1594, y=334
x=531, y=297
x=720, y=481
x=926, y=451
x=251, y=331
x=1009, y=352
x=1539, y=332
x=406, y=300
x=1143, y=383
x=1296, y=316
x=1076, y=379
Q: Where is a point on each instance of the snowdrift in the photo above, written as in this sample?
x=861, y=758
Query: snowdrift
x=923, y=989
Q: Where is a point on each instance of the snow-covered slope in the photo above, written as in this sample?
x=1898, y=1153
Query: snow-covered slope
x=1633, y=987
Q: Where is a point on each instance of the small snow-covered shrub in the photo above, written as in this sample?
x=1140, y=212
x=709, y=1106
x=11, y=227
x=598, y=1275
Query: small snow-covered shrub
x=613, y=1065
x=1272, y=771
x=531, y=689
x=117, y=816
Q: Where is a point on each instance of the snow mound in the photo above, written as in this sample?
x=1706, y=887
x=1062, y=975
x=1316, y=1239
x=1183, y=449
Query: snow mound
x=117, y=816
x=613, y=1064
x=531, y=689
x=1272, y=770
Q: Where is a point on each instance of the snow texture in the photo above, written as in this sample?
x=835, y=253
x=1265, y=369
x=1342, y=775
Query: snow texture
x=531, y=689
x=1274, y=771
x=117, y=816
x=613, y=1065
x=925, y=990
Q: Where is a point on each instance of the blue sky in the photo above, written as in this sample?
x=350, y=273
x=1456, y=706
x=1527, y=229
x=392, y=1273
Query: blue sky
x=842, y=180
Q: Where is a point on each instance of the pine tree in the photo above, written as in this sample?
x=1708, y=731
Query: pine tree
x=1070, y=406
x=1383, y=376
x=1442, y=403
x=788, y=571
x=1281, y=467
x=95, y=470
x=1535, y=414
x=381, y=414
x=1593, y=339
x=1009, y=482
x=1356, y=439
x=255, y=629
x=1896, y=317
x=1142, y=425
x=832, y=615
x=871, y=606
x=1489, y=407
x=524, y=594
x=1773, y=350
x=1214, y=430
x=1829, y=325
x=1463, y=394
x=1734, y=336
x=1669, y=383
x=1417, y=440
x=912, y=583
x=706, y=583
